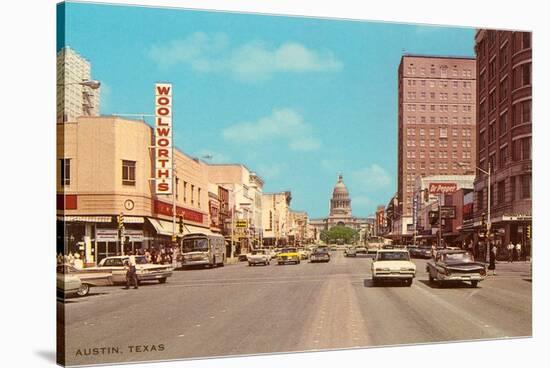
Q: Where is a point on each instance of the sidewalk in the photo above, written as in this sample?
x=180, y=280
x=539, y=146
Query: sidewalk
x=518, y=269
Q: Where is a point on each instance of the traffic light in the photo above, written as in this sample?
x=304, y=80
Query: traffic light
x=483, y=220
x=180, y=217
x=120, y=221
x=528, y=231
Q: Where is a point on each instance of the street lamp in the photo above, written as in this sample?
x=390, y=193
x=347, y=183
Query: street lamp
x=488, y=173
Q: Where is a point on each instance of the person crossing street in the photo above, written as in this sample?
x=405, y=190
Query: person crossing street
x=131, y=276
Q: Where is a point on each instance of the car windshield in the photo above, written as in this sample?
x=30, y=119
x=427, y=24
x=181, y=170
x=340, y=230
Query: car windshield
x=259, y=251
x=289, y=250
x=195, y=245
x=393, y=256
x=321, y=250
x=462, y=256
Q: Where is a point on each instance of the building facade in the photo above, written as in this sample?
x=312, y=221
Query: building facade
x=504, y=129
x=436, y=123
x=73, y=98
x=104, y=171
x=244, y=189
x=276, y=218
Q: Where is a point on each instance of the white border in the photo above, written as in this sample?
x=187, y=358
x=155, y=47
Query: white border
x=28, y=226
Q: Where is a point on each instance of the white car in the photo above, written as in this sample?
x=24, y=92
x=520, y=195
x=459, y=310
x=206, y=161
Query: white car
x=393, y=264
x=258, y=256
x=145, y=271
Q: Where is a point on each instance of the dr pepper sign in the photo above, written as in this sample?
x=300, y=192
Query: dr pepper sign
x=163, y=138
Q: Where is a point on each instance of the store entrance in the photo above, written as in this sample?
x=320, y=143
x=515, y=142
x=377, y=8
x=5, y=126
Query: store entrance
x=106, y=249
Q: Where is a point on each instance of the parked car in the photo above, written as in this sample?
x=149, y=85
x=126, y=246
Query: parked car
x=304, y=254
x=350, y=252
x=258, y=256
x=361, y=250
x=67, y=285
x=372, y=248
x=145, y=271
x=320, y=254
x=421, y=252
x=88, y=277
x=288, y=255
x=393, y=264
x=455, y=265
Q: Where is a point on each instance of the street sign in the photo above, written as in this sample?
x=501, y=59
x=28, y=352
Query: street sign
x=448, y=212
x=241, y=223
x=442, y=188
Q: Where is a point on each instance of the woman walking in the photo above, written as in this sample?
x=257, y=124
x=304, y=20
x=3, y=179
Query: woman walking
x=492, y=259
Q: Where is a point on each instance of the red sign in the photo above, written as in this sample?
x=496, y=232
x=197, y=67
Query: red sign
x=163, y=208
x=442, y=188
x=66, y=202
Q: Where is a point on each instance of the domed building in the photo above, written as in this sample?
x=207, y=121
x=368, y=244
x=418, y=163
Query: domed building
x=340, y=212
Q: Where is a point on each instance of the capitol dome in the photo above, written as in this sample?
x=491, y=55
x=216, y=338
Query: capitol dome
x=340, y=203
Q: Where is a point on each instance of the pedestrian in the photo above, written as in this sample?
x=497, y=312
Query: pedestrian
x=510, y=249
x=518, y=251
x=78, y=264
x=148, y=255
x=492, y=259
x=433, y=251
x=131, y=275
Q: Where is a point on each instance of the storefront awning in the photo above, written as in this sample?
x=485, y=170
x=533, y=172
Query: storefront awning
x=85, y=218
x=163, y=227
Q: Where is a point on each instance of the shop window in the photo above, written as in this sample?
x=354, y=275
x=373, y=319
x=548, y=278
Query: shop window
x=128, y=172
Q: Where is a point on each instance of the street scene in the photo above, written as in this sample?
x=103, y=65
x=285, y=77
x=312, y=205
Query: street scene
x=226, y=194
x=239, y=309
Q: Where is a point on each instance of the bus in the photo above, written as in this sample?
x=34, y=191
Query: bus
x=203, y=249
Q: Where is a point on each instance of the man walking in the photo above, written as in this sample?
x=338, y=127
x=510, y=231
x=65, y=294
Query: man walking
x=518, y=251
x=131, y=275
x=510, y=249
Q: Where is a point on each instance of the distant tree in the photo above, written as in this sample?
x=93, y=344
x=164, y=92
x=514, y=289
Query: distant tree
x=340, y=233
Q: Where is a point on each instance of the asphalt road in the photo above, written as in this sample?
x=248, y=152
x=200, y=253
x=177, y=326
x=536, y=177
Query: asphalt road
x=237, y=309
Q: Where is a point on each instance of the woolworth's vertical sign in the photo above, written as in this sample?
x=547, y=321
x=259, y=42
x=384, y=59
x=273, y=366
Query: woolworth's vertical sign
x=163, y=138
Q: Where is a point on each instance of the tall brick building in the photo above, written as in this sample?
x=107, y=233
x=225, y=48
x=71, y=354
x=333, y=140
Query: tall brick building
x=436, y=121
x=504, y=133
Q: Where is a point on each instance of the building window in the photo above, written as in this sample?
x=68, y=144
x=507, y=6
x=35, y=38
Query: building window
x=500, y=192
x=482, y=110
x=525, y=186
x=526, y=40
x=192, y=194
x=503, y=56
x=492, y=100
x=526, y=148
x=185, y=192
x=492, y=132
x=526, y=73
x=503, y=123
x=128, y=172
x=492, y=69
x=503, y=91
x=526, y=111
x=442, y=132
x=177, y=187
x=199, y=197
x=65, y=164
x=503, y=156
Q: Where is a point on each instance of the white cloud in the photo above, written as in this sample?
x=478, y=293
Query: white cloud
x=251, y=61
x=285, y=124
x=371, y=178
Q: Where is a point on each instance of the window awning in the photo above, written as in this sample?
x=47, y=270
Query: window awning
x=85, y=218
x=163, y=227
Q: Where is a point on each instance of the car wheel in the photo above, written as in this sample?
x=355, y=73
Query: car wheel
x=298, y=262
x=474, y=283
x=375, y=281
x=162, y=281
x=431, y=278
x=83, y=290
x=280, y=263
x=408, y=282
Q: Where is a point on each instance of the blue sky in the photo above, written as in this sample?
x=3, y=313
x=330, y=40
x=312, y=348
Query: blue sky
x=297, y=100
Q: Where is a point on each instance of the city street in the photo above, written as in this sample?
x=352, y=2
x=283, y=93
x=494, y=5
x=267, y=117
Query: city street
x=239, y=309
